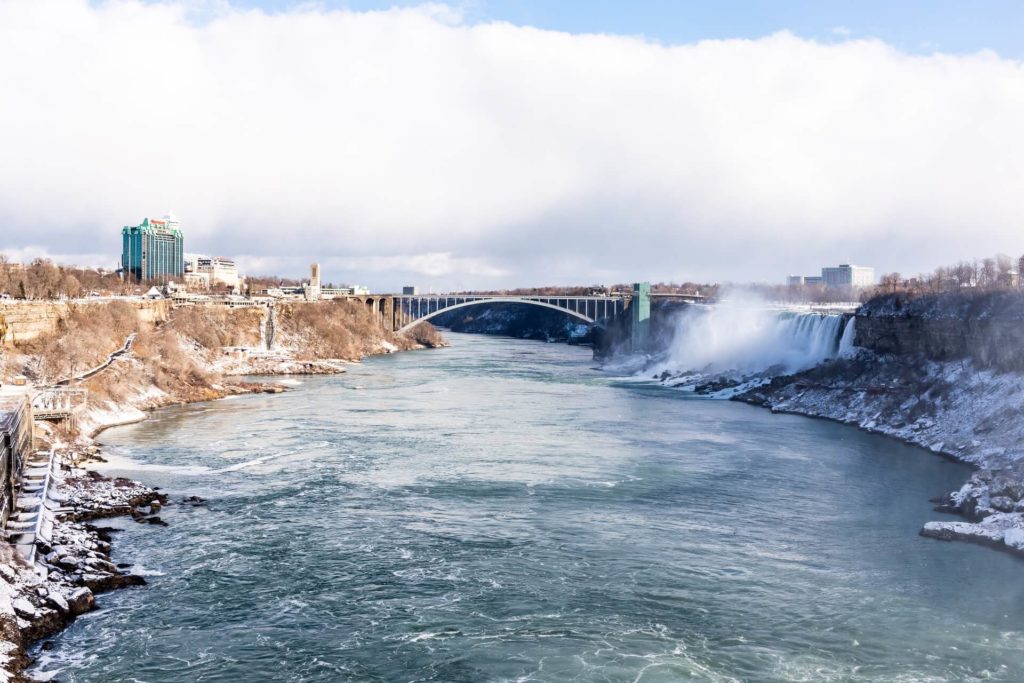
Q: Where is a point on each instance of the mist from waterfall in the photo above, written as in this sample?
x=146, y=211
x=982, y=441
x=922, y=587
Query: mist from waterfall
x=744, y=335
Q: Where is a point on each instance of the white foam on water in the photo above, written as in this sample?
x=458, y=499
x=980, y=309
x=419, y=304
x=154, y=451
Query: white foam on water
x=115, y=461
x=140, y=570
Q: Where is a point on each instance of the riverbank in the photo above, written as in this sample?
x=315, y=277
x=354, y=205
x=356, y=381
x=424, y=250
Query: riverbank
x=952, y=408
x=74, y=564
x=194, y=355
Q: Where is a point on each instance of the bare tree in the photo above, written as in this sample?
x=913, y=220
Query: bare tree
x=989, y=273
x=963, y=275
x=891, y=282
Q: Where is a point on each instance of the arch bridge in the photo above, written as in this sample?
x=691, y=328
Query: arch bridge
x=402, y=312
x=410, y=310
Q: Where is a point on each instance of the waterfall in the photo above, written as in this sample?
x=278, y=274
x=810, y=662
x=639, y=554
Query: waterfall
x=846, y=345
x=749, y=337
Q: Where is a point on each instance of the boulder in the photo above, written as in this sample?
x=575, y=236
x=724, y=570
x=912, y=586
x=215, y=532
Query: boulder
x=58, y=601
x=82, y=600
x=1014, y=538
x=24, y=608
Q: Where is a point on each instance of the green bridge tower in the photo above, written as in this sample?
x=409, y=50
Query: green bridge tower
x=640, y=316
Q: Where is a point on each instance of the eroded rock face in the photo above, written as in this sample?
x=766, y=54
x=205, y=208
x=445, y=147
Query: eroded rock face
x=986, y=327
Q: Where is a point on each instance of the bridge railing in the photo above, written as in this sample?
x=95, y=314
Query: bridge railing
x=56, y=403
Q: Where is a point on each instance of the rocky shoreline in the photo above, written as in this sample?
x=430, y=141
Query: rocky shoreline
x=943, y=371
x=955, y=409
x=74, y=565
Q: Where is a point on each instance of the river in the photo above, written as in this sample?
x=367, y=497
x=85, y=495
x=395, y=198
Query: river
x=502, y=511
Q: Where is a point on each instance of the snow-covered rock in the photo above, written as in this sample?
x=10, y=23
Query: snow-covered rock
x=24, y=608
x=58, y=601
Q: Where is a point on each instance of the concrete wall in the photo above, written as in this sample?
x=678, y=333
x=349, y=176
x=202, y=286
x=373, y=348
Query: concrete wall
x=23, y=321
x=16, y=441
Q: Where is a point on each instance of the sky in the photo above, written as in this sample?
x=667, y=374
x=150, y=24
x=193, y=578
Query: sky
x=915, y=26
x=500, y=143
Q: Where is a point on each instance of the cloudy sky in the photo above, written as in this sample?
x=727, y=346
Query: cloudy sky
x=507, y=143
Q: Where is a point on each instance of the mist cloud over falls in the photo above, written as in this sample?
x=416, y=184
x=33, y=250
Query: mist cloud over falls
x=743, y=335
x=495, y=154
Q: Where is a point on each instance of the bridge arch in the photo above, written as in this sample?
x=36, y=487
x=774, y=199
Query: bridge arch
x=502, y=300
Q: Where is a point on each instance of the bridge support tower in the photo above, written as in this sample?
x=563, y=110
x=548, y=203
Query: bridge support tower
x=640, y=316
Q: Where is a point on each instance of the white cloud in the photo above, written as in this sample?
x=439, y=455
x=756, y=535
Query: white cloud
x=82, y=260
x=435, y=265
x=431, y=265
x=501, y=155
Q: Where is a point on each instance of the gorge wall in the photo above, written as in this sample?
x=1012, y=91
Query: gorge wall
x=25, y=321
x=613, y=337
x=987, y=328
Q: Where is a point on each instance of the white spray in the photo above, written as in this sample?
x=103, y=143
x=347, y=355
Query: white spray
x=744, y=335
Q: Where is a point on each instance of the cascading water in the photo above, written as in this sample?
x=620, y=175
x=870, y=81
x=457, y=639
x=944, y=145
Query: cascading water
x=846, y=346
x=748, y=338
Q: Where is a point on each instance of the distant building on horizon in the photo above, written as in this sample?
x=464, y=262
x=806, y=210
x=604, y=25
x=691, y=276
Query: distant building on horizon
x=153, y=250
x=222, y=271
x=846, y=275
x=412, y=290
x=312, y=291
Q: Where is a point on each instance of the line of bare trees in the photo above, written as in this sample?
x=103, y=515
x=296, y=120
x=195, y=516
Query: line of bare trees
x=988, y=274
x=804, y=293
x=43, y=279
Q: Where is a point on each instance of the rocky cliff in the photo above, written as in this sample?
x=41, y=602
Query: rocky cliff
x=985, y=327
x=613, y=337
x=25, y=321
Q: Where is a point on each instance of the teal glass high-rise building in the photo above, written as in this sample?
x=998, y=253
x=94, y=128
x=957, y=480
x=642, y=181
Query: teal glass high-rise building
x=153, y=250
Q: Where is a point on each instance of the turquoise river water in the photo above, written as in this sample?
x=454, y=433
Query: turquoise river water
x=503, y=511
